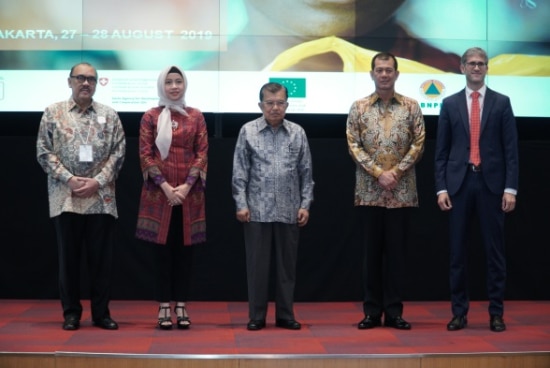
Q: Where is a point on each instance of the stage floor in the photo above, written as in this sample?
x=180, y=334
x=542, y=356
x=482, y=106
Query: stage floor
x=219, y=328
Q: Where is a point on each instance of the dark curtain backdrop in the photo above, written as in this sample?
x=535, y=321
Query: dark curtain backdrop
x=329, y=255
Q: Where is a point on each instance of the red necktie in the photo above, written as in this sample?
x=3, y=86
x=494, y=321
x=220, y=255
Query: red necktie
x=474, y=129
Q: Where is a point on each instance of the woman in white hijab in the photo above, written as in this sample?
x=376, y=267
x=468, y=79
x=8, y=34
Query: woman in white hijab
x=173, y=148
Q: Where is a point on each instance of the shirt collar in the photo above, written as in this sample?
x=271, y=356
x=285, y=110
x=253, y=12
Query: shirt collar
x=72, y=105
x=375, y=97
x=481, y=91
x=264, y=125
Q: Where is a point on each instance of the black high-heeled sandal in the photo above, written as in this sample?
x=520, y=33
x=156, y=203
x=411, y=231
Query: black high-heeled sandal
x=165, y=323
x=183, y=321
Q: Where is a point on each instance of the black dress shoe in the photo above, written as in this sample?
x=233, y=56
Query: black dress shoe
x=457, y=323
x=71, y=324
x=369, y=322
x=254, y=325
x=289, y=324
x=106, y=323
x=497, y=324
x=397, y=322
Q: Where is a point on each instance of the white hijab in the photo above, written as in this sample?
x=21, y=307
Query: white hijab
x=164, y=125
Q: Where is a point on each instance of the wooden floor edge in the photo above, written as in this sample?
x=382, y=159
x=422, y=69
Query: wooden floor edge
x=84, y=360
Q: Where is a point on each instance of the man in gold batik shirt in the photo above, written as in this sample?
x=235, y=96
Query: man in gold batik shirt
x=385, y=134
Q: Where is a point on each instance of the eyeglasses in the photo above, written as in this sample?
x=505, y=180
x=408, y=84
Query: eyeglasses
x=82, y=78
x=473, y=64
x=271, y=104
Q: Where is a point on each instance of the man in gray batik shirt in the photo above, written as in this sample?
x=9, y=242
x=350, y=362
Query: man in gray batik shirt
x=273, y=190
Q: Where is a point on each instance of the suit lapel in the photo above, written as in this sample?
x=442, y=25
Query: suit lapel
x=463, y=110
x=488, y=102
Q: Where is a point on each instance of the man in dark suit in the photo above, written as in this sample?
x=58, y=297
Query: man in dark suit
x=476, y=171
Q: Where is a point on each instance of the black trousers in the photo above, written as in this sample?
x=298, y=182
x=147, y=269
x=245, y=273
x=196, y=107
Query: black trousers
x=475, y=197
x=261, y=239
x=384, y=235
x=94, y=236
x=173, y=263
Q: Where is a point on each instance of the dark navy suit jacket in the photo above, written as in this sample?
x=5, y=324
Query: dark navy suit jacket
x=498, y=143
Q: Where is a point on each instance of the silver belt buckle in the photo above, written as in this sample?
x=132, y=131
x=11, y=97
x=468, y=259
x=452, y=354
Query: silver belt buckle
x=475, y=168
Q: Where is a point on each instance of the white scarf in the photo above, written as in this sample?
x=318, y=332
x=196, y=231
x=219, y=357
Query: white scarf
x=164, y=124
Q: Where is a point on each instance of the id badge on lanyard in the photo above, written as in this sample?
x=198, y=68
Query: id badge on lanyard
x=85, y=150
x=86, y=153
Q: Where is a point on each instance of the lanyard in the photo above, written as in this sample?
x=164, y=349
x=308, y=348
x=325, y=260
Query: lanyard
x=84, y=141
